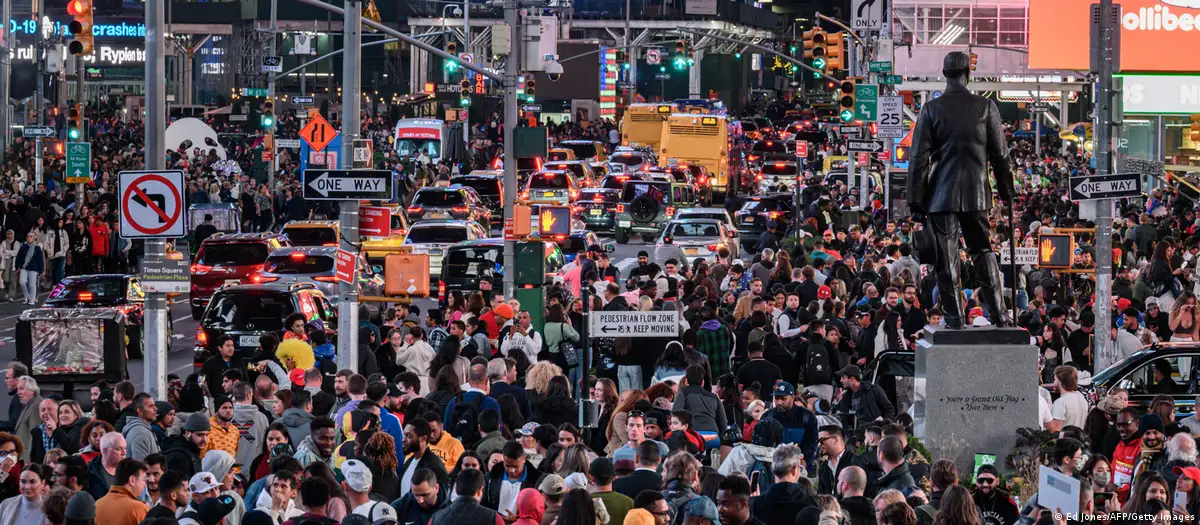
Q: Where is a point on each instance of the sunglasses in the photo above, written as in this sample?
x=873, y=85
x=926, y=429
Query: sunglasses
x=636, y=413
x=985, y=481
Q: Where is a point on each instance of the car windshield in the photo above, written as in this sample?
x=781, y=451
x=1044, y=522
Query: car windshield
x=628, y=159
x=298, y=263
x=529, y=163
x=761, y=205
x=574, y=168
x=101, y=290
x=253, y=310
x=656, y=191
x=306, y=236
x=438, y=199
x=693, y=229
x=582, y=151
x=573, y=244
x=1118, y=368
x=548, y=180
x=700, y=215
x=779, y=168
x=748, y=125
x=232, y=254
x=476, y=262
x=439, y=234
x=484, y=187
x=614, y=182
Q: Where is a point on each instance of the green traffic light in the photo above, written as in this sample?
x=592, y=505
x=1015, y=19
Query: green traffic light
x=268, y=121
x=73, y=134
x=465, y=101
x=662, y=69
x=819, y=63
x=846, y=115
x=451, y=66
x=793, y=48
x=737, y=55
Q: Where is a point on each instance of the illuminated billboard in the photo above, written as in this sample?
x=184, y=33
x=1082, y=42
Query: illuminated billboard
x=1059, y=34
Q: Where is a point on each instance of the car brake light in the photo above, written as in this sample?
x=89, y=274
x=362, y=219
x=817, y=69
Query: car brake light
x=774, y=214
x=415, y=209
x=703, y=180
x=201, y=269
x=326, y=278
x=778, y=164
x=441, y=290
x=460, y=209
x=86, y=296
x=574, y=194
x=620, y=208
x=201, y=336
x=712, y=247
x=598, y=198
x=297, y=256
x=670, y=211
x=759, y=177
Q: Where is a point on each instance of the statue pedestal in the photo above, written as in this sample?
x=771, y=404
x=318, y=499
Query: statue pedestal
x=974, y=388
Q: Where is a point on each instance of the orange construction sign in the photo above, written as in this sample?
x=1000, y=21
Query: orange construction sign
x=318, y=133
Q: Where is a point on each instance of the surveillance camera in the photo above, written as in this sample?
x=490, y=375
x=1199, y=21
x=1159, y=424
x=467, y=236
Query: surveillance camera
x=456, y=11
x=554, y=70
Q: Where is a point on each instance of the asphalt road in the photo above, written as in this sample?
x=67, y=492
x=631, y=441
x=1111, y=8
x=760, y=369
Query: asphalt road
x=179, y=358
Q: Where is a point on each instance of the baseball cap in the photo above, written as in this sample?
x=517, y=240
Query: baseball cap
x=503, y=310
x=528, y=429
x=202, y=482
x=394, y=390
x=297, y=376
x=212, y=510
x=378, y=512
x=357, y=475
x=824, y=292
x=783, y=389
x=851, y=370
x=703, y=507
x=552, y=485
x=1192, y=473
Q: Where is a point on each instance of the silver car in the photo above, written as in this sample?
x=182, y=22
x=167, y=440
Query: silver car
x=317, y=265
x=700, y=237
x=435, y=237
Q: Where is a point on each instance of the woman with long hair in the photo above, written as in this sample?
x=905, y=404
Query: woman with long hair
x=89, y=438
x=276, y=444
x=735, y=412
x=557, y=406
x=558, y=330
x=510, y=415
x=469, y=460
x=615, y=432
x=26, y=507
x=1161, y=275
x=475, y=306
x=456, y=306
x=448, y=354
x=577, y=509
x=782, y=274
x=957, y=508
x=891, y=336
x=1151, y=485
x=671, y=364
x=381, y=450
x=338, y=506
x=445, y=386
x=575, y=458
x=537, y=380
x=1183, y=318
x=604, y=393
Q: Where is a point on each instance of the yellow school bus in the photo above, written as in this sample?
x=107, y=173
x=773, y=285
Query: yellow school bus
x=642, y=124
x=699, y=139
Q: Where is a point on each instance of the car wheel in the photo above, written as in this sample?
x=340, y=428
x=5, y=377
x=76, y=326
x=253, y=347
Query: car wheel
x=622, y=236
x=648, y=237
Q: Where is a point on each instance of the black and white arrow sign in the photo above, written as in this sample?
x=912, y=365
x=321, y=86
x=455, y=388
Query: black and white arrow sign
x=1092, y=187
x=872, y=146
x=347, y=185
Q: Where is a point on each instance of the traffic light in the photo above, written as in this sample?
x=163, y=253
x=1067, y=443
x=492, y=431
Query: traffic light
x=520, y=88
x=1195, y=134
x=831, y=85
x=814, y=47
x=452, y=50
x=81, y=27
x=846, y=100
x=464, y=93
x=75, y=123
x=680, y=59
x=835, y=52
x=974, y=61
x=268, y=115
x=530, y=89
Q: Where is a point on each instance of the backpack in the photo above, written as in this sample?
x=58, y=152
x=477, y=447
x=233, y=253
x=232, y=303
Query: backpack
x=464, y=420
x=672, y=287
x=817, y=367
x=765, y=477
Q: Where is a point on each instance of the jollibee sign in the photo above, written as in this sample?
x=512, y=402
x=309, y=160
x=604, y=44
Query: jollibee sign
x=1059, y=34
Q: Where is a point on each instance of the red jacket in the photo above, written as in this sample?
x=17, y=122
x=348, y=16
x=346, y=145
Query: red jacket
x=1124, y=459
x=100, y=237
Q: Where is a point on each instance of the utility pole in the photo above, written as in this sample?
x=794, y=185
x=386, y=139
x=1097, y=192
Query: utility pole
x=39, y=95
x=85, y=133
x=511, y=69
x=347, y=355
x=155, y=370
x=1103, y=135
x=630, y=53
x=5, y=68
x=276, y=111
x=467, y=46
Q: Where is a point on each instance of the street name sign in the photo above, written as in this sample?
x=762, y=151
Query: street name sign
x=79, y=162
x=39, y=132
x=869, y=146
x=892, y=80
x=634, y=324
x=1092, y=187
x=849, y=131
x=881, y=67
x=347, y=185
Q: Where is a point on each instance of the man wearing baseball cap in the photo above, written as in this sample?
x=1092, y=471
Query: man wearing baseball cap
x=212, y=511
x=358, y=490
x=995, y=503
x=799, y=425
x=862, y=402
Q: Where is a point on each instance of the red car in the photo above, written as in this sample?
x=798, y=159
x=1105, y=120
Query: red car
x=229, y=259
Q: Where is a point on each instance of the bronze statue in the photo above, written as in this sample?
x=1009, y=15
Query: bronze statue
x=956, y=137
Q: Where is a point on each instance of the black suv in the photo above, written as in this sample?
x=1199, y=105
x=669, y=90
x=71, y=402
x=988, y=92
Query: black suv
x=597, y=206
x=647, y=205
x=751, y=220
x=488, y=185
x=247, y=312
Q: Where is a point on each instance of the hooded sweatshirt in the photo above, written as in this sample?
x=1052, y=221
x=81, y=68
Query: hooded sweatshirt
x=252, y=427
x=531, y=507
x=298, y=423
x=139, y=438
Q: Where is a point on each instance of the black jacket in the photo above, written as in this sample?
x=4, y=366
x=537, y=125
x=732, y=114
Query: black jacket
x=956, y=137
x=432, y=462
x=323, y=401
x=500, y=388
x=781, y=503
x=555, y=410
x=464, y=510
x=897, y=479
x=635, y=483
x=827, y=474
x=182, y=456
x=858, y=509
x=409, y=511
x=96, y=483
x=997, y=507
x=873, y=404
x=495, y=477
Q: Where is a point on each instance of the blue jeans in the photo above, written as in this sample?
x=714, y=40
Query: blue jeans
x=58, y=269
x=629, y=377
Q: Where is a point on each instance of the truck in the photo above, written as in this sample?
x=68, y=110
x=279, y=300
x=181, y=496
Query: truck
x=420, y=135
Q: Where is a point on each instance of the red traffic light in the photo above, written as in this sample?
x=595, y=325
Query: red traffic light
x=78, y=7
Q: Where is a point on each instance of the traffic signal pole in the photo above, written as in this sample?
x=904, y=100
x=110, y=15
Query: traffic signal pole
x=271, y=97
x=38, y=95
x=5, y=67
x=155, y=341
x=84, y=135
x=511, y=70
x=347, y=354
x=1105, y=48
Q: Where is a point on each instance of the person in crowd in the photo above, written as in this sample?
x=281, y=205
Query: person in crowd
x=122, y=505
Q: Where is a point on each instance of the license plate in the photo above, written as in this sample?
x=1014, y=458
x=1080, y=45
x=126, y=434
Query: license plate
x=623, y=224
x=596, y=211
x=232, y=282
x=691, y=251
x=436, y=251
x=439, y=215
x=547, y=194
x=748, y=220
x=248, y=340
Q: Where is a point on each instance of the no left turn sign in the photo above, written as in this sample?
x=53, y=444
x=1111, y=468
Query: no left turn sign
x=152, y=204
